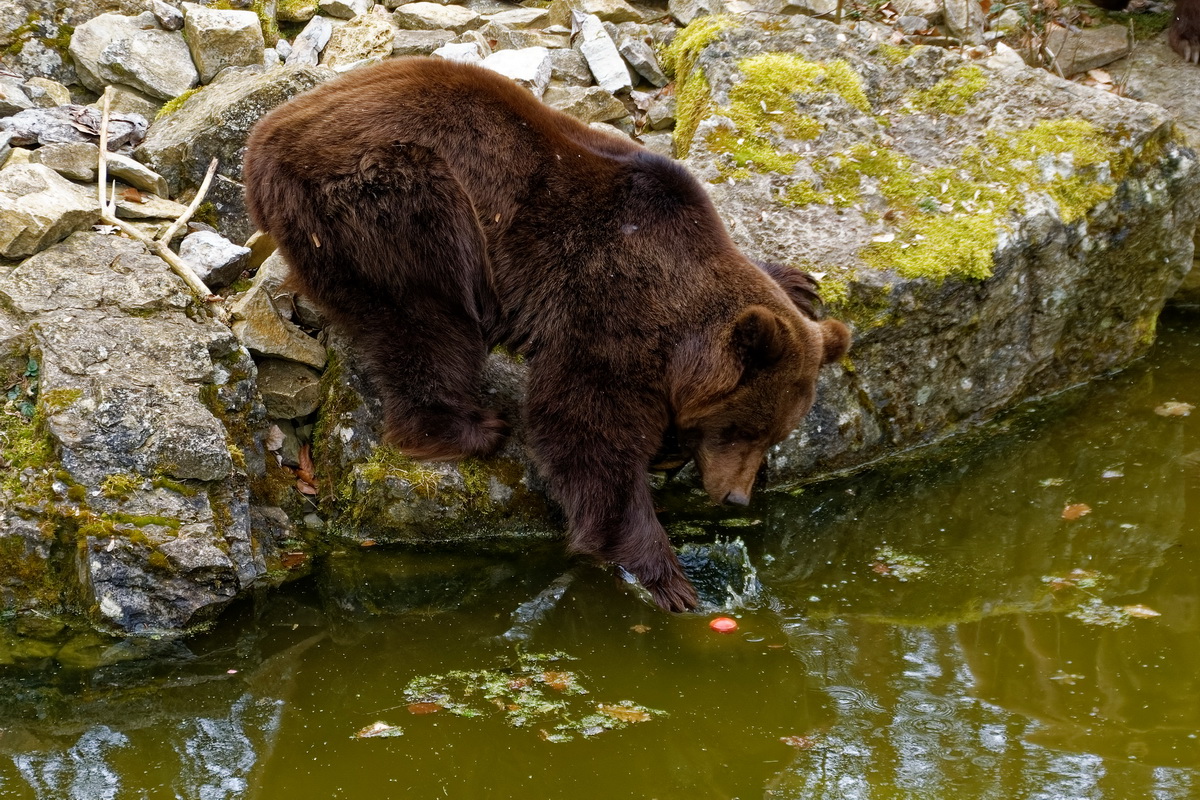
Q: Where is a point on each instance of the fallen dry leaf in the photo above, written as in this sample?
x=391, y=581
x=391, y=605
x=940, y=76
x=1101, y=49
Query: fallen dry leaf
x=1174, y=409
x=1099, y=76
x=639, y=628
x=304, y=487
x=292, y=560
x=624, y=713
x=558, y=681
x=367, y=543
x=1076, y=510
x=1141, y=612
x=132, y=195
x=423, y=708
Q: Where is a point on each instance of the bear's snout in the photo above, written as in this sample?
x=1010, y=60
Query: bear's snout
x=737, y=498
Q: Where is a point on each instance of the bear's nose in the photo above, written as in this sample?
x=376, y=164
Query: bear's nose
x=737, y=498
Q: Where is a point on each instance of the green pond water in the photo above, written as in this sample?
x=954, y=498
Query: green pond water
x=933, y=628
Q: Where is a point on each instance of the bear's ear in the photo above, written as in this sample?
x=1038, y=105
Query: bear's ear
x=800, y=287
x=759, y=339
x=836, y=338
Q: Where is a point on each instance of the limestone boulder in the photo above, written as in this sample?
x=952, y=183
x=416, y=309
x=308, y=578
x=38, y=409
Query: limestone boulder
x=218, y=39
x=38, y=207
x=135, y=52
x=1004, y=235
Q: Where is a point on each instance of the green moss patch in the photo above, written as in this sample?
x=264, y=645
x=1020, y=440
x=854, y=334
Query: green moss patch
x=951, y=94
x=692, y=91
x=767, y=104
x=175, y=103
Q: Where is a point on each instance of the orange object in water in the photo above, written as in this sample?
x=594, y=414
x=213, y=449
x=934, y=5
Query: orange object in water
x=723, y=625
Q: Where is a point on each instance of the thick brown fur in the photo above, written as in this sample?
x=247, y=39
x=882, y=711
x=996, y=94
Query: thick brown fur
x=433, y=210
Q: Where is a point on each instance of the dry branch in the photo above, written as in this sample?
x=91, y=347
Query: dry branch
x=160, y=246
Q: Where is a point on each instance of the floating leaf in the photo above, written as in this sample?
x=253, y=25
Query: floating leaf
x=1141, y=612
x=1048, y=482
x=625, y=712
x=1068, y=678
x=1076, y=510
x=423, y=708
x=379, y=730
x=1174, y=409
x=799, y=742
x=639, y=628
x=1109, y=474
x=559, y=681
x=293, y=559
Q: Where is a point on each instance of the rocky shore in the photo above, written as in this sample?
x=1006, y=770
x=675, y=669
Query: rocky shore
x=992, y=231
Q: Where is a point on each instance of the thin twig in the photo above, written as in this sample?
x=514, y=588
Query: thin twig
x=176, y=226
x=108, y=215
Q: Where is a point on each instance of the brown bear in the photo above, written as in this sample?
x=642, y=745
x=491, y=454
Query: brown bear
x=433, y=210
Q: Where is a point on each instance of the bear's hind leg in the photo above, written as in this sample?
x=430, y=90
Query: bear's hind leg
x=395, y=257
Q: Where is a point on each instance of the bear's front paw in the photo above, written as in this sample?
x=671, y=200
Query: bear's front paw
x=673, y=593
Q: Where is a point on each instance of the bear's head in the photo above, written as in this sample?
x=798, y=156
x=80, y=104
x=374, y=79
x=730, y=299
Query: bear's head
x=742, y=388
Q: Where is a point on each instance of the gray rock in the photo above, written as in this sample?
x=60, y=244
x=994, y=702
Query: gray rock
x=75, y=161
x=633, y=43
x=38, y=207
x=1009, y=20
x=215, y=260
x=215, y=123
x=529, y=67
x=431, y=16
x=307, y=47
x=168, y=16
x=72, y=124
x=502, y=37
x=264, y=332
x=1078, y=51
x=135, y=174
x=12, y=96
x=135, y=52
x=463, y=52
x=218, y=39
x=1033, y=311
x=295, y=10
x=686, y=11
x=910, y=24
x=345, y=9
x=602, y=56
x=965, y=20
x=283, y=49
x=46, y=93
x=812, y=8
x=589, y=104
x=659, y=108
x=367, y=36
x=130, y=102
x=88, y=271
x=289, y=390
x=929, y=9
x=609, y=10
x=658, y=143
x=519, y=17
x=570, y=67
x=419, y=43
x=147, y=206
x=5, y=146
